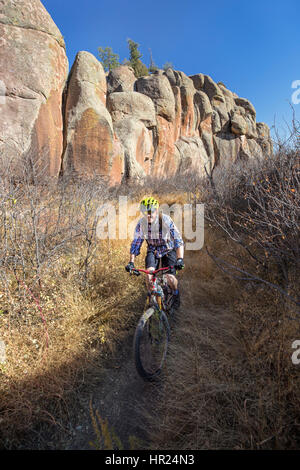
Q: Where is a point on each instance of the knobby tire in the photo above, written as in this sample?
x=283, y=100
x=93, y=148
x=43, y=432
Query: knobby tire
x=151, y=343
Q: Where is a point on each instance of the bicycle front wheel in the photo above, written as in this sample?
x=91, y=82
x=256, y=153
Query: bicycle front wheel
x=151, y=343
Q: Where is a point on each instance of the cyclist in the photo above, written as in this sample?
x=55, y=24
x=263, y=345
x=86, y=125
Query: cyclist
x=164, y=242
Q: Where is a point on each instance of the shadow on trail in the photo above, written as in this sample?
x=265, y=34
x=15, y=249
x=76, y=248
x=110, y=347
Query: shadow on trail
x=113, y=388
x=121, y=397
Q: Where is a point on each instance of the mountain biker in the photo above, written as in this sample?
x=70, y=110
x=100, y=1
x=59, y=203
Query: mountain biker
x=164, y=242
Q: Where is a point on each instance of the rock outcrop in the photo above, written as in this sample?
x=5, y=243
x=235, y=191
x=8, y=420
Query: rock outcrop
x=112, y=125
x=134, y=117
x=131, y=104
x=33, y=71
x=90, y=145
x=121, y=78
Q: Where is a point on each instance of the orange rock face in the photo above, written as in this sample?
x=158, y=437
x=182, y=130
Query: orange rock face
x=91, y=133
x=46, y=136
x=178, y=110
x=90, y=144
x=30, y=117
x=188, y=121
x=116, y=164
x=166, y=157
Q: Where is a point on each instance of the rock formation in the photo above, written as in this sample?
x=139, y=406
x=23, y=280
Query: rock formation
x=112, y=125
x=90, y=145
x=33, y=71
x=121, y=78
x=170, y=124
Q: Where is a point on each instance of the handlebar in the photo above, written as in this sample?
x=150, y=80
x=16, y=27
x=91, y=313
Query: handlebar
x=138, y=271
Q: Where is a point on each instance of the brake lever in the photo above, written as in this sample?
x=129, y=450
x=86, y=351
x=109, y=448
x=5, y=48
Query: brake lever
x=136, y=272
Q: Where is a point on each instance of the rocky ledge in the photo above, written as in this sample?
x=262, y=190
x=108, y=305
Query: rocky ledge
x=113, y=125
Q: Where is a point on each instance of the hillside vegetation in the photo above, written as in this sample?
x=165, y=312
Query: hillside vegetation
x=66, y=304
x=231, y=382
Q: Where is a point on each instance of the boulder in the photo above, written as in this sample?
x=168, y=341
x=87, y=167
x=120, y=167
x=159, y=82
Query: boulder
x=246, y=109
x=218, y=103
x=202, y=104
x=89, y=135
x=249, y=108
x=264, y=139
x=33, y=72
x=138, y=147
x=121, y=78
x=198, y=80
x=134, y=121
x=158, y=88
x=29, y=15
x=170, y=74
x=227, y=148
x=251, y=126
x=216, y=122
x=193, y=156
x=212, y=90
x=263, y=131
x=238, y=124
x=183, y=80
x=224, y=115
x=131, y=104
x=229, y=97
x=254, y=149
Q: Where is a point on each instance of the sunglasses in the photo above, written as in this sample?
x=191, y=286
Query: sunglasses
x=149, y=212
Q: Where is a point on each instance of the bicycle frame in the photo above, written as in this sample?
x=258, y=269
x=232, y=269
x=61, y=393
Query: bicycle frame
x=152, y=333
x=157, y=293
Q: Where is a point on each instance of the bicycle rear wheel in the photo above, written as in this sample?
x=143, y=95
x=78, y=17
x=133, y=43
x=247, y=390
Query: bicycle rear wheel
x=151, y=343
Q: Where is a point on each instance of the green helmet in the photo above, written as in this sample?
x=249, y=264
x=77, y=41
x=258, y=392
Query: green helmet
x=148, y=204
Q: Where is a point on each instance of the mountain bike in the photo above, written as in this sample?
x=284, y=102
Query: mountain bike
x=152, y=333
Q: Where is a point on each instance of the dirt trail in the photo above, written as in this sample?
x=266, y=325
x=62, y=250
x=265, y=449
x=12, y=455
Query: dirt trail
x=120, y=395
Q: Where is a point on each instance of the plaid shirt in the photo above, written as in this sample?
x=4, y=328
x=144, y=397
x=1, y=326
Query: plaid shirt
x=158, y=242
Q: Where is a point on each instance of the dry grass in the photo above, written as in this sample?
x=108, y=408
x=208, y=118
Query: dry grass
x=60, y=322
x=63, y=312
x=229, y=382
x=38, y=380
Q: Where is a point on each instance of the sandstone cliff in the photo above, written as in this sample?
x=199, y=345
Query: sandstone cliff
x=33, y=71
x=112, y=125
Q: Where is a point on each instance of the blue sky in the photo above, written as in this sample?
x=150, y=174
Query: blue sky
x=252, y=47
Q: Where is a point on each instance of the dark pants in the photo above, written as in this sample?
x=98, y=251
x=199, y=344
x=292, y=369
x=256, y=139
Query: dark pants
x=169, y=259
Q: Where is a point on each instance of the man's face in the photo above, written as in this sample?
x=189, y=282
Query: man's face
x=151, y=215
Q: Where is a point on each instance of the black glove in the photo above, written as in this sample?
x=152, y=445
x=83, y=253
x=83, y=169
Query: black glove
x=130, y=266
x=179, y=264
